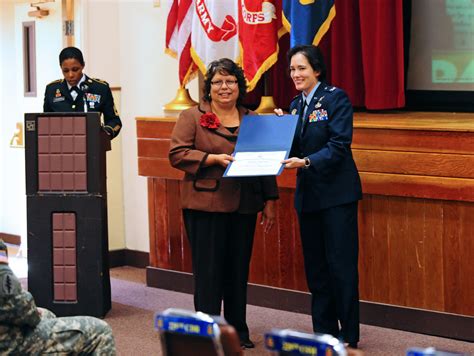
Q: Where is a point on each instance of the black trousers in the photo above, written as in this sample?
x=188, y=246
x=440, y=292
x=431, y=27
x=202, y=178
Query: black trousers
x=330, y=248
x=221, y=247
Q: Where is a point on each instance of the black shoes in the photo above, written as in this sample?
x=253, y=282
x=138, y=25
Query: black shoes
x=247, y=344
x=352, y=345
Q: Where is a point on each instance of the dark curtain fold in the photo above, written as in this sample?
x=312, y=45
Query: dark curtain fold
x=381, y=24
x=343, y=53
x=364, y=54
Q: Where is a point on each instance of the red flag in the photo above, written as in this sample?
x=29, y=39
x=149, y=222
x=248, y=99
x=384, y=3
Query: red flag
x=178, y=38
x=260, y=27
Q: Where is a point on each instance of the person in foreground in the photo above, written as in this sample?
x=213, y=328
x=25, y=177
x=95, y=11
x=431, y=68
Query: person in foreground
x=219, y=213
x=28, y=330
x=79, y=93
x=327, y=192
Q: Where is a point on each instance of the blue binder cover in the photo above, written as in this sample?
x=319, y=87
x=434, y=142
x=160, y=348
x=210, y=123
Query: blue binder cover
x=265, y=133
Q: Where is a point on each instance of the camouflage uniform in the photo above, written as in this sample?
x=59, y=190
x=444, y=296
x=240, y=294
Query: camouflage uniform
x=26, y=329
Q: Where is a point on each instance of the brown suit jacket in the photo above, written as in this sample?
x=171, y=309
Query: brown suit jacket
x=204, y=188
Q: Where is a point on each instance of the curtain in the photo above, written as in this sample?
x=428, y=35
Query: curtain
x=364, y=55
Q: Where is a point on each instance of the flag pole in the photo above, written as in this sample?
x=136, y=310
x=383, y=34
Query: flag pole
x=267, y=104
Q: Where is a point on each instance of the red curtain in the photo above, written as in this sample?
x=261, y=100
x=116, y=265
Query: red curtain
x=364, y=54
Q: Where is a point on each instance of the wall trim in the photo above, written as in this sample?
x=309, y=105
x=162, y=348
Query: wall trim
x=125, y=257
x=420, y=321
x=10, y=239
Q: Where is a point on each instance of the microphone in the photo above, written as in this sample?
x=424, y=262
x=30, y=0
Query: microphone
x=84, y=88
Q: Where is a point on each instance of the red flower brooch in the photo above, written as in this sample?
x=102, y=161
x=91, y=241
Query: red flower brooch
x=209, y=120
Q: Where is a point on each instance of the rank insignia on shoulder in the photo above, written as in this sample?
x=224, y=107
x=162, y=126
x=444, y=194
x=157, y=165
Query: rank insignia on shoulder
x=295, y=98
x=293, y=112
x=56, y=81
x=89, y=80
x=329, y=88
x=100, y=81
x=7, y=285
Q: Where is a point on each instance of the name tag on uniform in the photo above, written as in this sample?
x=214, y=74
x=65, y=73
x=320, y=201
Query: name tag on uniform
x=58, y=99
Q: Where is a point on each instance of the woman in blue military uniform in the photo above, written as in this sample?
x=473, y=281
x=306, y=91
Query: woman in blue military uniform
x=79, y=93
x=327, y=192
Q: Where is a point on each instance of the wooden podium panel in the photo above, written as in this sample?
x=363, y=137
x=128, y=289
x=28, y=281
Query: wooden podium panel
x=62, y=154
x=68, y=270
x=72, y=279
x=416, y=230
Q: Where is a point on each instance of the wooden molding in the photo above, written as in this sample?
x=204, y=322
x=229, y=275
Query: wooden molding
x=125, y=257
x=415, y=120
x=415, y=186
x=415, y=163
x=10, y=239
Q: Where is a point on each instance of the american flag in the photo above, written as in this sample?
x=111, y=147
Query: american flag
x=178, y=37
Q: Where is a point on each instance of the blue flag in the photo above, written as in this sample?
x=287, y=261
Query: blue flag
x=307, y=20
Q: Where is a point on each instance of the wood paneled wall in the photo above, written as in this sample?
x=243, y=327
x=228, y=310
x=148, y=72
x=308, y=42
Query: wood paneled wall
x=417, y=253
x=415, y=221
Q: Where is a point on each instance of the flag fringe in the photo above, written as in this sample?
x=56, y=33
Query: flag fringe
x=266, y=65
x=197, y=60
x=325, y=26
x=171, y=53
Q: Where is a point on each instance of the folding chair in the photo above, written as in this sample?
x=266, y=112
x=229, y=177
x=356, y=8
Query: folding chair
x=185, y=332
x=431, y=351
x=291, y=342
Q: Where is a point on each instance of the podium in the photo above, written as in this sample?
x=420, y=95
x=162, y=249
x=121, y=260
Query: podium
x=65, y=155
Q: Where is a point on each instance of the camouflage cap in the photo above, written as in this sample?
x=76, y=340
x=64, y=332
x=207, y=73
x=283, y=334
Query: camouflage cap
x=3, y=252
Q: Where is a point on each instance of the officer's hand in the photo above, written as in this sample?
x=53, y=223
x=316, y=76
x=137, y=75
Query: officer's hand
x=278, y=111
x=293, y=162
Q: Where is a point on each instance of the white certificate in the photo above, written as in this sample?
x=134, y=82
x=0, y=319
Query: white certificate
x=256, y=164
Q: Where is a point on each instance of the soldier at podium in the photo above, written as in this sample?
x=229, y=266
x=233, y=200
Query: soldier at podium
x=76, y=92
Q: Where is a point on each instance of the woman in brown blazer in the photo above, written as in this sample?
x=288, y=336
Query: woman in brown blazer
x=219, y=213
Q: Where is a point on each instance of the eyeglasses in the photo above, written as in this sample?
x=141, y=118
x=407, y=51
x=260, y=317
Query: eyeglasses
x=229, y=83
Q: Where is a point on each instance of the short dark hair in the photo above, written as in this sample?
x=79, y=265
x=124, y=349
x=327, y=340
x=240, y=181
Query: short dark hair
x=225, y=66
x=71, y=53
x=314, y=56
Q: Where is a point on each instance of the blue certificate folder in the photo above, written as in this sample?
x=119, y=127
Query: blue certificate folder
x=265, y=133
